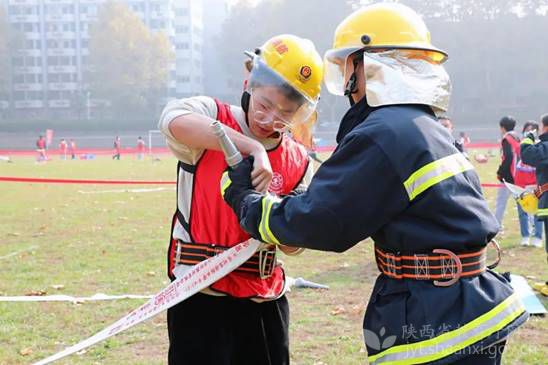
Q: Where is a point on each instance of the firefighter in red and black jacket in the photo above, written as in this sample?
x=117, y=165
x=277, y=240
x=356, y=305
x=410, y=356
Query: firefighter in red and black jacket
x=242, y=318
x=396, y=177
x=536, y=155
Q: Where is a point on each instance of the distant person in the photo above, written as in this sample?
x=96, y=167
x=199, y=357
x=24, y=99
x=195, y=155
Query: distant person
x=464, y=139
x=117, y=148
x=448, y=124
x=140, y=148
x=41, y=148
x=505, y=172
x=72, y=149
x=63, y=147
x=525, y=177
x=536, y=155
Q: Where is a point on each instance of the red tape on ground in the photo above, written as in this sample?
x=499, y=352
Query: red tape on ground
x=78, y=181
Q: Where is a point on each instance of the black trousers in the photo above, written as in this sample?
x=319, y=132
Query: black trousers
x=545, y=222
x=210, y=330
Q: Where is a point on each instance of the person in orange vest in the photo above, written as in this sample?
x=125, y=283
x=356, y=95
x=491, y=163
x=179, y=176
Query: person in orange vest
x=63, y=146
x=117, y=148
x=140, y=148
x=41, y=149
x=242, y=318
x=506, y=169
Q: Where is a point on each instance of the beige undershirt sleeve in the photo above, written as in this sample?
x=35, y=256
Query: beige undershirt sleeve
x=202, y=105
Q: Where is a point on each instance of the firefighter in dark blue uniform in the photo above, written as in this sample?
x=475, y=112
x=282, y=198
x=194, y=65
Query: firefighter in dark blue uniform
x=396, y=177
x=536, y=155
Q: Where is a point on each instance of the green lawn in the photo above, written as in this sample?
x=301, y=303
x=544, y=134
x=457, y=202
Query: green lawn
x=115, y=243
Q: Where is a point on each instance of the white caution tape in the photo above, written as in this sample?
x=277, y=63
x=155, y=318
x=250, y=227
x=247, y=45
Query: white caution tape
x=68, y=298
x=194, y=280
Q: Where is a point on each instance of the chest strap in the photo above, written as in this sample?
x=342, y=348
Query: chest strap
x=262, y=263
x=439, y=264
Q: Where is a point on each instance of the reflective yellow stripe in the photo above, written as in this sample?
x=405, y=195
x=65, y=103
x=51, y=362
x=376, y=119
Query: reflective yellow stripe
x=542, y=212
x=435, y=172
x=453, y=341
x=264, y=225
x=225, y=182
x=527, y=141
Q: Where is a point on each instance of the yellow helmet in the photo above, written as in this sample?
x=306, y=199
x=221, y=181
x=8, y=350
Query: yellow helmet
x=528, y=202
x=381, y=26
x=293, y=64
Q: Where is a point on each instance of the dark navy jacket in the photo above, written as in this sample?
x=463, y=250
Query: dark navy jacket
x=365, y=189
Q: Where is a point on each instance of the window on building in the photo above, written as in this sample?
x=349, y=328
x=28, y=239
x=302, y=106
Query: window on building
x=19, y=78
x=182, y=45
x=68, y=9
x=15, y=9
x=197, y=47
x=53, y=61
x=19, y=95
x=53, y=77
x=181, y=29
x=183, y=79
x=54, y=94
x=30, y=78
x=64, y=60
x=17, y=61
x=181, y=12
x=35, y=95
x=53, y=9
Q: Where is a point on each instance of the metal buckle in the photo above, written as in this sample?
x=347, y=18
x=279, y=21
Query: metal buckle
x=422, y=268
x=264, y=254
x=391, y=263
x=455, y=276
x=177, y=253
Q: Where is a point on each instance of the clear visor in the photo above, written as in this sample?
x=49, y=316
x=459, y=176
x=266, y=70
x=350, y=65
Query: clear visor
x=334, y=63
x=274, y=100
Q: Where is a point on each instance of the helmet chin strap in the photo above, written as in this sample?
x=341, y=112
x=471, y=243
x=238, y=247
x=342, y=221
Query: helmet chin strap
x=352, y=83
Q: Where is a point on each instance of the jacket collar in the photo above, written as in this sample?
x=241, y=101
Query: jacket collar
x=353, y=117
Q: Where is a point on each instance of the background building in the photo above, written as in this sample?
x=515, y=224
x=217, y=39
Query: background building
x=49, y=70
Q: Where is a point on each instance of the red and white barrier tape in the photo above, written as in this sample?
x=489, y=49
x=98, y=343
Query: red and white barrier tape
x=124, y=182
x=194, y=280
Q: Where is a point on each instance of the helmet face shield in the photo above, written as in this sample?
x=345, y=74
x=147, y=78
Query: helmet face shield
x=335, y=68
x=274, y=100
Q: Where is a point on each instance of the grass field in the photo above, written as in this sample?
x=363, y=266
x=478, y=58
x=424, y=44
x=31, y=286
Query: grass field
x=115, y=243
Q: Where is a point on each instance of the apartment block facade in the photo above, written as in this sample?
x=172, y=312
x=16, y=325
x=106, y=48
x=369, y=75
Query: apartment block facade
x=49, y=71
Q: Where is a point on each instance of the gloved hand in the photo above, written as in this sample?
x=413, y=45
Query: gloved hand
x=236, y=184
x=531, y=136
